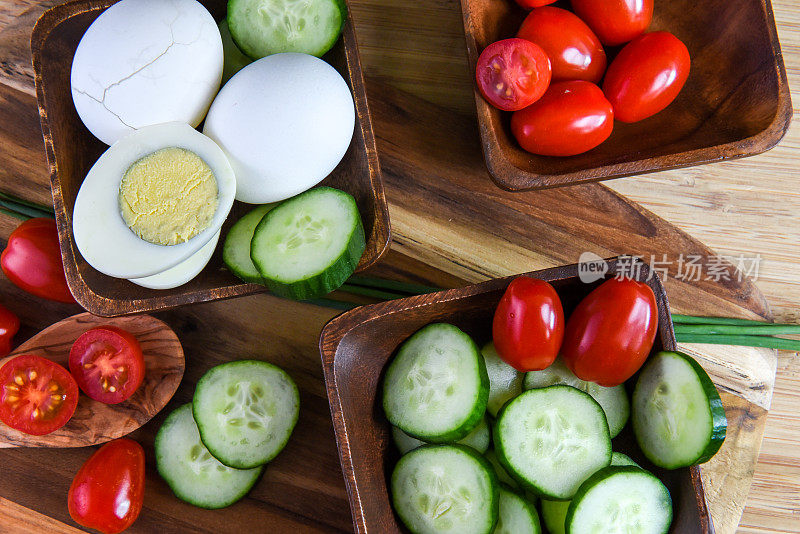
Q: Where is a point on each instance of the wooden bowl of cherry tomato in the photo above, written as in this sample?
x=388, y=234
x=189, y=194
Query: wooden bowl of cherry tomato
x=357, y=346
x=633, y=86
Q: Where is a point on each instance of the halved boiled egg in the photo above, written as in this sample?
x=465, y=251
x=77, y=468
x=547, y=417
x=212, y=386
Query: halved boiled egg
x=152, y=200
x=182, y=273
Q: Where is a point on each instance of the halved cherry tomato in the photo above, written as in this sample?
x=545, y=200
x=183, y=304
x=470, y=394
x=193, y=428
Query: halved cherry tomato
x=571, y=118
x=32, y=260
x=37, y=396
x=611, y=332
x=108, y=491
x=528, y=324
x=512, y=73
x=530, y=4
x=9, y=326
x=107, y=363
x=574, y=50
x=646, y=76
x=615, y=21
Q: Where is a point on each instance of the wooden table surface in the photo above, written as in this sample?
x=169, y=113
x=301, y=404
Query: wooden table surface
x=744, y=207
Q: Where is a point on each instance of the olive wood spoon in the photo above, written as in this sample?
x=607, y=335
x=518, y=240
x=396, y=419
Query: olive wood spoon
x=94, y=422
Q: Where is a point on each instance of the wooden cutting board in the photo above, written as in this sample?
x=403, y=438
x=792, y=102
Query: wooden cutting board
x=451, y=226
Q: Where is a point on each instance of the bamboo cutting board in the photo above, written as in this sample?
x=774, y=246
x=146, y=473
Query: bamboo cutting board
x=451, y=226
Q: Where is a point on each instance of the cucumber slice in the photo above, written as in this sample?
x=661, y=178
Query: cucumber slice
x=445, y=489
x=478, y=439
x=245, y=412
x=552, y=439
x=554, y=513
x=620, y=499
x=236, y=250
x=189, y=469
x=517, y=516
x=614, y=400
x=436, y=388
x=505, y=382
x=264, y=27
x=310, y=244
x=678, y=418
x=499, y=470
x=233, y=60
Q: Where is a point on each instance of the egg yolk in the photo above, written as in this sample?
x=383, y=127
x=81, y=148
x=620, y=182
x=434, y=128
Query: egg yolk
x=168, y=196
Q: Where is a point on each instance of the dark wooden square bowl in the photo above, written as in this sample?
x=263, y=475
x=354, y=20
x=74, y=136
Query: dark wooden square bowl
x=72, y=150
x=736, y=102
x=357, y=345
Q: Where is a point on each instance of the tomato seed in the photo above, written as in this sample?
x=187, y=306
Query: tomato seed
x=32, y=375
x=19, y=380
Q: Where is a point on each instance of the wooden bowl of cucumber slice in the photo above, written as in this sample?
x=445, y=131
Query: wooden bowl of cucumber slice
x=368, y=358
x=72, y=150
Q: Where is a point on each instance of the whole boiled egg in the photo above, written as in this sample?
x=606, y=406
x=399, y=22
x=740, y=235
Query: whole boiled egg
x=285, y=122
x=152, y=200
x=145, y=62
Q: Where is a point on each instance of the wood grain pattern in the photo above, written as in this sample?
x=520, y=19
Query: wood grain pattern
x=71, y=150
x=735, y=103
x=357, y=345
x=95, y=423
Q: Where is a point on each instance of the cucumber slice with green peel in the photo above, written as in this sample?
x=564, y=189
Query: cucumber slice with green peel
x=436, y=387
x=505, y=382
x=245, y=412
x=236, y=250
x=620, y=499
x=614, y=400
x=445, y=489
x=264, y=27
x=552, y=439
x=499, y=470
x=478, y=439
x=192, y=473
x=517, y=516
x=309, y=245
x=554, y=513
x=678, y=418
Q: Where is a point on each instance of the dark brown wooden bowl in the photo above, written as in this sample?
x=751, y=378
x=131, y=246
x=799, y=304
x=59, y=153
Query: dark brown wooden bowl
x=72, y=150
x=357, y=345
x=735, y=104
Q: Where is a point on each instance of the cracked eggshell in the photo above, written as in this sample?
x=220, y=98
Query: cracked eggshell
x=101, y=235
x=145, y=62
x=285, y=122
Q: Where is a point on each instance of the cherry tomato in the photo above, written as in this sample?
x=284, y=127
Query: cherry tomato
x=646, y=76
x=512, y=73
x=528, y=324
x=9, y=326
x=37, y=396
x=530, y=4
x=32, y=260
x=107, y=363
x=611, y=332
x=108, y=491
x=615, y=21
x=571, y=118
x=574, y=50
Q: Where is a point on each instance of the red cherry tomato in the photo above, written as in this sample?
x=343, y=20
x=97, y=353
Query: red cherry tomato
x=646, y=76
x=615, y=21
x=9, y=326
x=512, y=73
x=574, y=50
x=32, y=260
x=108, y=491
x=530, y=4
x=528, y=324
x=107, y=363
x=611, y=332
x=37, y=396
x=571, y=118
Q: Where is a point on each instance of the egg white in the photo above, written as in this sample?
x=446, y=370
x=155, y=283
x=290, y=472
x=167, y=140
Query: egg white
x=182, y=273
x=145, y=62
x=100, y=232
x=285, y=122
